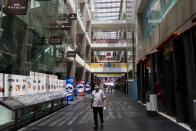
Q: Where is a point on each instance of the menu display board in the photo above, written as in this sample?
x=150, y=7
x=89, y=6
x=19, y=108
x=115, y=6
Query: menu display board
x=33, y=82
x=15, y=85
x=1, y=85
x=62, y=85
x=42, y=83
x=52, y=83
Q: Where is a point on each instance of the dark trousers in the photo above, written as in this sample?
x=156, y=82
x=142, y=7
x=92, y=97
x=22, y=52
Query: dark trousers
x=109, y=89
x=97, y=110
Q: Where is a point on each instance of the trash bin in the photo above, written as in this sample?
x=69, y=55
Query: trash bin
x=151, y=106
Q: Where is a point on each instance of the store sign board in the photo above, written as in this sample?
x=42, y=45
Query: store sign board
x=65, y=26
x=72, y=16
x=55, y=40
x=71, y=53
x=1, y=86
x=16, y=7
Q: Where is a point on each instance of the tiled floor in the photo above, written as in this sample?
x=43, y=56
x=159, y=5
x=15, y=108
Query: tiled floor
x=122, y=114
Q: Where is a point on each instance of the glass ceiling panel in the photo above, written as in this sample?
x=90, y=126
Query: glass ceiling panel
x=104, y=8
x=105, y=35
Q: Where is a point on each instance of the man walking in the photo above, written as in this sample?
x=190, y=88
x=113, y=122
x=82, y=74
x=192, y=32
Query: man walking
x=98, y=103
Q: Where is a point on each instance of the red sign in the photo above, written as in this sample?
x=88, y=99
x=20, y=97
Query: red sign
x=16, y=7
x=55, y=40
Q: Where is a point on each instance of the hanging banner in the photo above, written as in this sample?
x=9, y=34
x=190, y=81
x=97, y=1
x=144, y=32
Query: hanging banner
x=1, y=86
x=80, y=88
x=88, y=88
x=108, y=65
x=16, y=7
x=70, y=87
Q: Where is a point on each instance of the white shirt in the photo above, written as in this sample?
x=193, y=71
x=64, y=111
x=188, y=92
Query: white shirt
x=98, y=98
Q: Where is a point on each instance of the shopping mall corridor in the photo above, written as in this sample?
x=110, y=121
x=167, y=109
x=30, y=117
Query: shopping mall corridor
x=122, y=114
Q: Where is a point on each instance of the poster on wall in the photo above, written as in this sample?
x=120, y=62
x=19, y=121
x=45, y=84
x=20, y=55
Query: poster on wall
x=88, y=88
x=1, y=86
x=70, y=87
x=80, y=88
x=15, y=85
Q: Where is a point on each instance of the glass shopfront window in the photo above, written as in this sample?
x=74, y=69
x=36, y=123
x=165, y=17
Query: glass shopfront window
x=24, y=40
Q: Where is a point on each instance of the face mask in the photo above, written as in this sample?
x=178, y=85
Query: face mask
x=97, y=88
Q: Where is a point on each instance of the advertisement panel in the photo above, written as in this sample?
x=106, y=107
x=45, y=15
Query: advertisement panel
x=80, y=88
x=15, y=85
x=70, y=87
x=88, y=88
x=1, y=86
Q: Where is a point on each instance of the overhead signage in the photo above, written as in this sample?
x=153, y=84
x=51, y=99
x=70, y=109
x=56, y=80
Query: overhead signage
x=16, y=7
x=108, y=65
x=72, y=16
x=55, y=40
x=65, y=26
x=71, y=53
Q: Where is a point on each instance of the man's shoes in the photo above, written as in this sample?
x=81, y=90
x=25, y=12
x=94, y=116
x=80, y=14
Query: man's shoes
x=96, y=127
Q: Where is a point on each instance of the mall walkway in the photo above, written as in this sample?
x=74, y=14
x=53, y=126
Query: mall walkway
x=123, y=114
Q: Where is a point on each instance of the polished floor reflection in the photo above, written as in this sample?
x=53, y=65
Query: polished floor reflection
x=123, y=114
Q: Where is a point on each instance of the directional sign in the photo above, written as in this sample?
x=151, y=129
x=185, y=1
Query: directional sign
x=71, y=54
x=65, y=26
x=55, y=40
x=72, y=16
x=16, y=7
